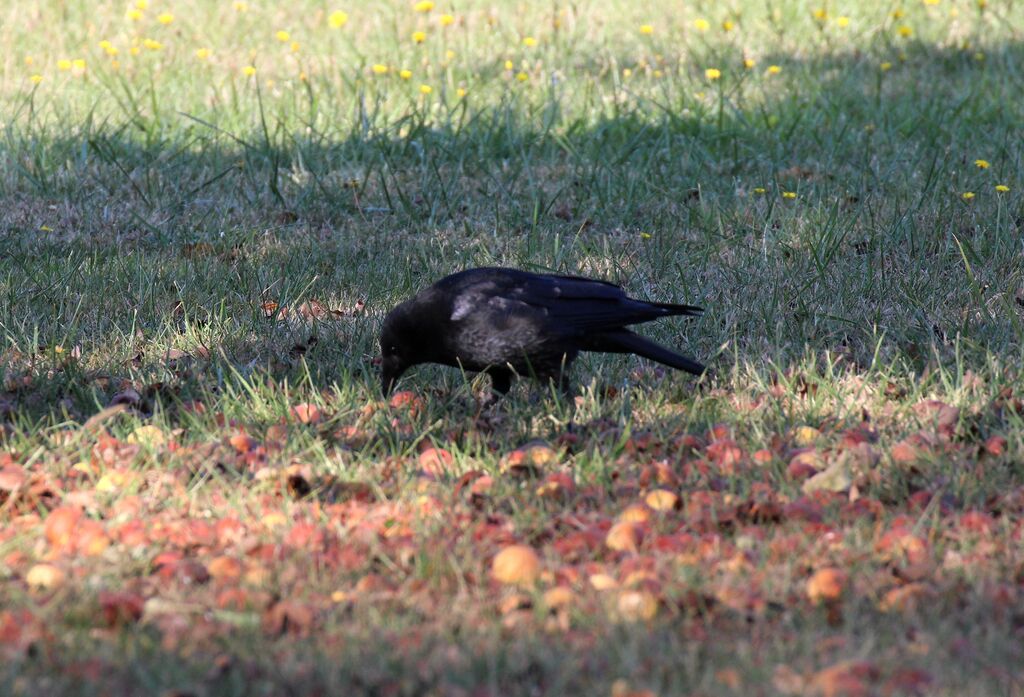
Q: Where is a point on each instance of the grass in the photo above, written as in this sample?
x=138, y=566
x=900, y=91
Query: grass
x=212, y=248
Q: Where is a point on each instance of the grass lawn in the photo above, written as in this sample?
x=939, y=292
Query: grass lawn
x=208, y=206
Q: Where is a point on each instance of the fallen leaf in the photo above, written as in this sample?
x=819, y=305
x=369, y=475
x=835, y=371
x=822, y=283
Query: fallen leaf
x=662, y=500
x=624, y=536
x=836, y=477
x=826, y=585
x=45, y=577
x=516, y=565
x=636, y=606
x=148, y=435
x=306, y=413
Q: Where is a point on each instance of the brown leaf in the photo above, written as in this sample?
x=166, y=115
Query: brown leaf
x=826, y=585
x=12, y=477
x=120, y=608
x=516, y=565
x=306, y=413
x=288, y=617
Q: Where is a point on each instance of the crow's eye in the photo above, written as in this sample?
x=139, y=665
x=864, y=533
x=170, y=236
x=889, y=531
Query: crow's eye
x=392, y=349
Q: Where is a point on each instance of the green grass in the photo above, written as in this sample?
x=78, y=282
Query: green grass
x=173, y=203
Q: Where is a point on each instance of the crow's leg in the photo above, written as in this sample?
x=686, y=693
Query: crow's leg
x=501, y=383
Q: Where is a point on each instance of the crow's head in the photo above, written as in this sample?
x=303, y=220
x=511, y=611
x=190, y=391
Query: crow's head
x=398, y=346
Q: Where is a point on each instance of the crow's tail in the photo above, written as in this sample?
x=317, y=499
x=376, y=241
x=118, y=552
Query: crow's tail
x=628, y=342
x=673, y=309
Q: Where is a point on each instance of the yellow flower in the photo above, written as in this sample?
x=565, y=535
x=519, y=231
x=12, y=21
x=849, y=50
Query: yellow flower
x=460, y=92
x=294, y=47
x=904, y=31
x=967, y=195
x=1001, y=188
x=886, y=65
x=842, y=22
x=646, y=29
x=29, y=60
x=645, y=235
x=626, y=72
x=36, y=79
x=240, y=6
x=446, y=20
x=109, y=48
x=759, y=190
x=982, y=164
x=426, y=89
x=898, y=13
x=152, y=45
x=203, y=53
x=449, y=54
x=728, y=25
x=701, y=24
x=419, y=37
x=134, y=50
x=423, y=6
x=337, y=19
x=820, y=14
x=133, y=15
x=249, y=70
x=142, y=4
x=929, y=2
x=712, y=73
x=522, y=77
x=405, y=74
x=282, y=36
x=63, y=64
x=379, y=69
x=982, y=4
x=789, y=194
x=529, y=41
x=303, y=77
x=78, y=65
x=749, y=63
x=658, y=73
x=165, y=18
x=509, y=65
x=774, y=70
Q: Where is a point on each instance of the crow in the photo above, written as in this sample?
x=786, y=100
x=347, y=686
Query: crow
x=508, y=322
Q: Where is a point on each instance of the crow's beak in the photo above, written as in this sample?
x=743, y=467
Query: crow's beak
x=390, y=371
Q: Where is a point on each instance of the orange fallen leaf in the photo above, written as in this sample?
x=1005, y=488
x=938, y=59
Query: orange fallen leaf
x=516, y=565
x=624, y=536
x=45, y=577
x=637, y=605
x=826, y=585
x=60, y=525
x=306, y=413
x=662, y=500
x=435, y=461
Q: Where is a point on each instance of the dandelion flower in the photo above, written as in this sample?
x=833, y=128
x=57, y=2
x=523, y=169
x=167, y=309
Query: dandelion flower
x=449, y=54
x=460, y=92
x=728, y=25
x=967, y=195
x=982, y=164
x=522, y=77
x=133, y=15
x=646, y=29
x=658, y=74
x=282, y=36
x=759, y=190
x=165, y=18
x=203, y=53
x=529, y=41
x=240, y=6
x=701, y=24
x=842, y=22
x=426, y=89
x=152, y=44
x=789, y=194
x=886, y=65
x=36, y=79
x=774, y=69
x=929, y=2
x=337, y=19
x=64, y=64
x=898, y=13
x=249, y=70
x=904, y=31
x=78, y=65
x=645, y=235
x=405, y=74
x=626, y=72
x=1001, y=188
x=419, y=37
x=379, y=69
x=509, y=65
x=142, y=4
x=423, y=6
x=820, y=14
x=749, y=63
x=294, y=47
x=712, y=73
x=446, y=20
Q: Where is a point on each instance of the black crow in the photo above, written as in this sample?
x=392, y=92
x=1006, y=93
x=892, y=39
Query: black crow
x=506, y=322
